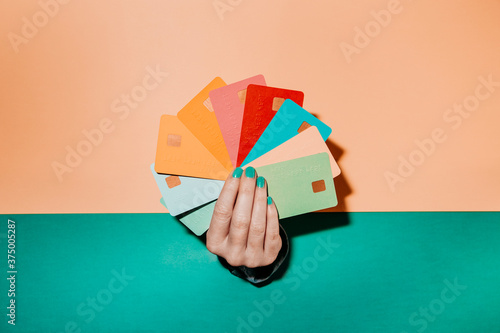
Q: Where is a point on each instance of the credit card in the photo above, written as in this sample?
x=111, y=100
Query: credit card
x=182, y=194
x=297, y=186
x=199, y=117
x=179, y=152
x=261, y=105
x=290, y=120
x=301, y=185
x=307, y=142
x=229, y=103
x=198, y=221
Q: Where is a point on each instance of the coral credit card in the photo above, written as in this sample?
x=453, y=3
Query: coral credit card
x=261, y=105
x=228, y=103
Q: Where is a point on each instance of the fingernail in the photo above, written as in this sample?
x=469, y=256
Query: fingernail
x=261, y=182
x=237, y=172
x=269, y=200
x=250, y=172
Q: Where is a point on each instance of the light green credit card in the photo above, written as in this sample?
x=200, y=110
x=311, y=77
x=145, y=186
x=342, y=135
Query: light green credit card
x=297, y=186
x=301, y=185
x=198, y=219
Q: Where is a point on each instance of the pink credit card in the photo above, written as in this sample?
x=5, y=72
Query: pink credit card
x=228, y=103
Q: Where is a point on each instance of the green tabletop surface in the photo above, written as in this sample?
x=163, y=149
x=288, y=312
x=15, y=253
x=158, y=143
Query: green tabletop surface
x=346, y=272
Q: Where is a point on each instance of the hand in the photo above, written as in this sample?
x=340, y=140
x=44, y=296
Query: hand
x=245, y=228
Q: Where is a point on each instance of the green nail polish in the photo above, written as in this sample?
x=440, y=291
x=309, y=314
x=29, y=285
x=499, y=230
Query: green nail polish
x=250, y=172
x=269, y=200
x=261, y=182
x=237, y=172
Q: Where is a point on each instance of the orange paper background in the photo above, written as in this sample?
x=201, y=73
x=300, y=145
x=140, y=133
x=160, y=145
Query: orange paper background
x=71, y=74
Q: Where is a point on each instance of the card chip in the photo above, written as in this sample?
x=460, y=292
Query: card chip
x=277, y=101
x=242, y=95
x=318, y=186
x=173, y=181
x=174, y=140
x=208, y=105
x=303, y=127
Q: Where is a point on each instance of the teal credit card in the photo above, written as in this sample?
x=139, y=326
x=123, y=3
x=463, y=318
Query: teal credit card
x=290, y=120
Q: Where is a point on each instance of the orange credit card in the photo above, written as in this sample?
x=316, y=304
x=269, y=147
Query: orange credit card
x=179, y=152
x=198, y=116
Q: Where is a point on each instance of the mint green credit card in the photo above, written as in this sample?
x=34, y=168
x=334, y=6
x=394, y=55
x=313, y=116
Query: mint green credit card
x=301, y=185
x=198, y=219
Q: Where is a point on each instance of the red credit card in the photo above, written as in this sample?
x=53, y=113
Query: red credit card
x=261, y=105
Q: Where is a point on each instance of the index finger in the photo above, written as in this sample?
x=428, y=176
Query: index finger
x=223, y=210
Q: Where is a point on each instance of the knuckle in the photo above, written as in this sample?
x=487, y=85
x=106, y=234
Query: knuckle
x=232, y=185
x=233, y=260
x=212, y=247
x=252, y=264
x=267, y=262
x=247, y=189
x=257, y=229
x=252, y=260
x=270, y=258
x=277, y=246
x=222, y=213
x=273, y=250
x=274, y=236
x=240, y=222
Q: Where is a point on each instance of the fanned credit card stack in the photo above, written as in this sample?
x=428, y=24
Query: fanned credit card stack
x=243, y=124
